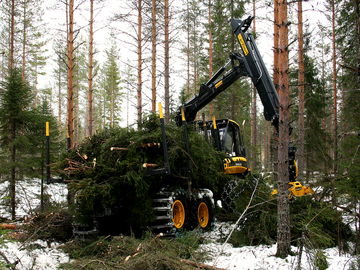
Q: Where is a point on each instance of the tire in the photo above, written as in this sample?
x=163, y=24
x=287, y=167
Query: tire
x=180, y=212
x=229, y=196
x=205, y=217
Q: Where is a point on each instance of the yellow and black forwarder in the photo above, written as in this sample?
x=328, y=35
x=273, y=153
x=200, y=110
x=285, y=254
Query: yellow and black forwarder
x=175, y=209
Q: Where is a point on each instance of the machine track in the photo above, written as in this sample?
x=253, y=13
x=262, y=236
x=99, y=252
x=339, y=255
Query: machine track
x=162, y=206
x=176, y=210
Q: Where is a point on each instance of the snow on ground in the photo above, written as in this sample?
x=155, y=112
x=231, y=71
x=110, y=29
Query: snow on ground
x=28, y=196
x=263, y=256
x=39, y=256
x=36, y=255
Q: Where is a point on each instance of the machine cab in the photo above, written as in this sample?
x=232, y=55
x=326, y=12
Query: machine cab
x=226, y=135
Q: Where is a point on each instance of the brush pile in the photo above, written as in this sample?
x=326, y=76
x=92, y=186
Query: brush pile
x=125, y=252
x=109, y=170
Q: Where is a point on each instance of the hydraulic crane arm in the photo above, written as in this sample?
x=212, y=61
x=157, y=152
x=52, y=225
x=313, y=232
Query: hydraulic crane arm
x=208, y=91
x=257, y=70
x=250, y=64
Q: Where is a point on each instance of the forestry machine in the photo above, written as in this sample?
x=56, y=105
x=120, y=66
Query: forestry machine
x=225, y=132
x=177, y=209
x=227, y=135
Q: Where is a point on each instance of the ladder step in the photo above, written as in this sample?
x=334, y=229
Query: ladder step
x=162, y=208
x=162, y=200
x=164, y=217
x=164, y=226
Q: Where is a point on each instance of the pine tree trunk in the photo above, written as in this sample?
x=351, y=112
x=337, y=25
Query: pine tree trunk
x=167, y=65
x=12, y=171
x=343, y=108
x=283, y=217
x=276, y=82
x=335, y=116
x=90, y=96
x=70, y=108
x=76, y=125
x=59, y=78
x=357, y=18
x=35, y=85
x=210, y=57
x=188, y=51
x=112, y=99
x=24, y=44
x=12, y=125
x=334, y=86
x=253, y=113
x=153, y=56
x=127, y=106
x=12, y=35
x=139, y=84
x=195, y=63
x=301, y=149
x=194, y=57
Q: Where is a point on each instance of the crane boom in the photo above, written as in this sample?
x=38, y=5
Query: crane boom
x=249, y=63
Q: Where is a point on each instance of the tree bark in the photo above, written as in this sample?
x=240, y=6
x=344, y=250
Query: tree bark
x=24, y=44
x=59, y=82
x=12, y=124
x=253, y=113
x=210, y=57
x=12, y=35
x=167, y=65
x=139, y=84
x=90, y=95
x=12, y=171
x=301, y=145
x=70, y=48
x=335, y=153
x=153, y=57
x=276, y=82
x=357, y=23
x=283, y=216
x=188, y=50
x=112, y=87
x=76, y=125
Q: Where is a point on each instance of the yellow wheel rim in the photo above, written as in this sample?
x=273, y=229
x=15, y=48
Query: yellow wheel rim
x=203, y=214
x=178, y=214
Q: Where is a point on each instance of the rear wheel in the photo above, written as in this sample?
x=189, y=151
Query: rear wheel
x=205, y=213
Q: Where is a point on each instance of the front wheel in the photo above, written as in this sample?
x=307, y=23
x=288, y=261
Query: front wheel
x=180, y=210
x=179, y=214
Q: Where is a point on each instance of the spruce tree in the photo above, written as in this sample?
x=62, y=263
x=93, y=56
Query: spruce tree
x=16, y=120
x=347, y=181
x=111, y=76
x=38, y=145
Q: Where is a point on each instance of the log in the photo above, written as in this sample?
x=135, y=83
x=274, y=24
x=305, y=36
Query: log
x=118, y=148
x=154, y=144
x=7, y=226
x=201, y=265
x=149, y=165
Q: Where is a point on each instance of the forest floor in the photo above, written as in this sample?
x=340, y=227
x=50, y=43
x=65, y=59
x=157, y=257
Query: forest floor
x=40, y=254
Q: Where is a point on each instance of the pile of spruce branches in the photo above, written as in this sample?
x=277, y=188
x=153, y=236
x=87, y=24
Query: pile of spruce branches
x=108, y=168
x=126, y=252
x=313, y=221
x=48, y=225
